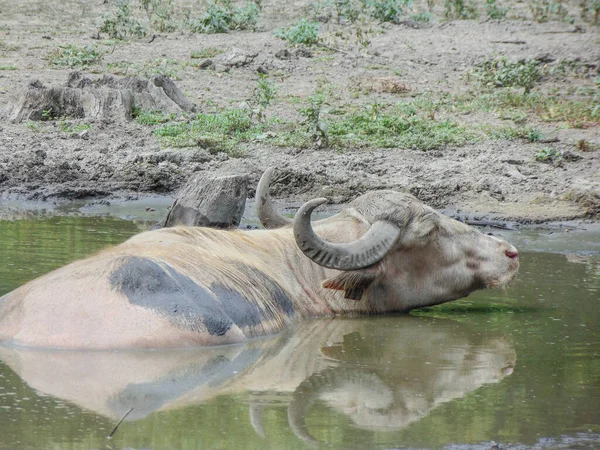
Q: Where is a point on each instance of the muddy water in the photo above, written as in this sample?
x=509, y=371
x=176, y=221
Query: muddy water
x=520, y=366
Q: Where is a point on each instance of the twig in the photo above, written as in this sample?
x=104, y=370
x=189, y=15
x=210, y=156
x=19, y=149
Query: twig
x=509, y=42
x=120, y=421
x=576, y=29
x=333, y=48
x=152, y=40
x=548, y=140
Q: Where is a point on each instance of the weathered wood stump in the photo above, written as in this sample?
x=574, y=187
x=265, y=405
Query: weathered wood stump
x=207, y=201
x=110, y=98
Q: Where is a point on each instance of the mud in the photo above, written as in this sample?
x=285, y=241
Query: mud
x=121, y=159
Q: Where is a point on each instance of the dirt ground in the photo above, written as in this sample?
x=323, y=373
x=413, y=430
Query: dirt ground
x=498, y=177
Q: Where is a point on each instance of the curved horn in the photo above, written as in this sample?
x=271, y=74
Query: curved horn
x=364, y=252
x=303, y=396
x=256, y=418
x=267, y=214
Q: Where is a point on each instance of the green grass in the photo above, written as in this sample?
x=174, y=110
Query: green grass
x=73, y=56
x=206, y=52
x=498, y=73
x=302, y=32
x=221, y=132
x=394, y=130
x=73, y=128
x=8, y=67
x=550, y=108
x=120, y=24
x=221, y=17
x=4, y=47
x=151, y=117
x=148, y=69
x=528, y=133
x=549, y=155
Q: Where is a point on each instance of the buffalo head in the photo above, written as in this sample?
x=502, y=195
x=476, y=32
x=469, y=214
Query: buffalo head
x=408, y=256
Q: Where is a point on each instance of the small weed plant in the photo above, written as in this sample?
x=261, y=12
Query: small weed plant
x=66, y=126
x=590, y=10
x=386, y=10
x=262, y=96
x=151, y=117
x=8, y=67
x=316, y=128
x=549, y=155
x=160, y=14
x=546, y=10
x=221, y=132
x=494, y=11
x=74, y=56
x=148, y=69
x=302, y=32
x=121, y=24
x=424, y=17
x=503, y=73
x=222, y=17
x=207, y=52
x=459, y=9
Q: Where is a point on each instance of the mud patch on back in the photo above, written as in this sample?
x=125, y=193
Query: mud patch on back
x=172, y=295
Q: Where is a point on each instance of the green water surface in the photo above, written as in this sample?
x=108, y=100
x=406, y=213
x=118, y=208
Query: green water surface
x=515, y=366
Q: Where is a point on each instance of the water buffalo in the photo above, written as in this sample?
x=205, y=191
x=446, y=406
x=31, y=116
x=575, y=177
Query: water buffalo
x=181, y=287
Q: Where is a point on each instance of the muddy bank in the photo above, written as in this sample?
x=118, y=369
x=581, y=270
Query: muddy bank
x=499, y=179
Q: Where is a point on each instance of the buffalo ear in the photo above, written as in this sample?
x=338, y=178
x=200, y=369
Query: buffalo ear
x=353, y=283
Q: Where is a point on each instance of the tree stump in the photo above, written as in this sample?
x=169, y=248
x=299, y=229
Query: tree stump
x=109, y=98
x=216, y=202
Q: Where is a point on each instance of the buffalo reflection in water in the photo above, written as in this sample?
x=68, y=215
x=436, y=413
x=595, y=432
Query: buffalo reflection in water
x=382, y=373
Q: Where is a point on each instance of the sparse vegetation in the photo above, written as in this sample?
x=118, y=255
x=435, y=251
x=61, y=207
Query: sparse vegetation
x=148, y=69
x=74, y=56
x=207, y=52
x=221, y=132
x=151, y=117
x=302, y=32
x=222, y=17
x=551, y=108
x=316, y=129
x=386, y=10
x=549, y=155
x=4, y=47
x=545, y=10
x=459, y=9
x=120, y=24
x=530, y=134
x=67, y=126
x=590, y=10
x=160, y=14
x=398, y=127
x=503, y=73
x=8, y=67
x=424, y=17
x=495, y=11
x=262, y=96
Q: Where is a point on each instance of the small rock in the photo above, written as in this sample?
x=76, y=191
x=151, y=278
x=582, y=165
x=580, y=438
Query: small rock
x=283, y=54
x=303, y=52
x=570, y=156
x=206, y=64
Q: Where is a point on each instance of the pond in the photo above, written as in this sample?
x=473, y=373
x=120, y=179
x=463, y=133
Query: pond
x=519, y=366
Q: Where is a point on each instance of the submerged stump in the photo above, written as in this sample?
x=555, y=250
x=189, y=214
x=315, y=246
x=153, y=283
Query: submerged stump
x=207, y=201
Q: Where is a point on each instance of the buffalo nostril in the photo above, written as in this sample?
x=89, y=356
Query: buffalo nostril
x=512, y=254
